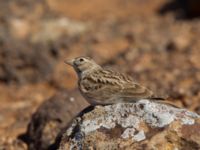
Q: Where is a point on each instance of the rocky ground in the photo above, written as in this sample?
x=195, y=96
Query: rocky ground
x=155, y=41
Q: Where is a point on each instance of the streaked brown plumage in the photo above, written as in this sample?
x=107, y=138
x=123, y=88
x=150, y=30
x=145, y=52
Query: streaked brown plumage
x=100, y=86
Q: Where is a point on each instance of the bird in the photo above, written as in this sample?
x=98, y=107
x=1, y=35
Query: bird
x=101, y=86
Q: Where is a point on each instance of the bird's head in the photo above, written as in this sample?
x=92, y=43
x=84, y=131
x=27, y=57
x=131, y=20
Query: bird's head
x=82, y=64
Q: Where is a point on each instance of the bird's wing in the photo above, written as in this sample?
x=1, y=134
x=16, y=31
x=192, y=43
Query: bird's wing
x=128, y=88
x=110, y=84
x=134, y=91
x=99, y=85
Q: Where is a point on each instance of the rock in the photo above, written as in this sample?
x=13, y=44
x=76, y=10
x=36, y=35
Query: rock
x=12, y=144
x=20, y=64
x=142, y=125
x=61, y=27
x=50, y=118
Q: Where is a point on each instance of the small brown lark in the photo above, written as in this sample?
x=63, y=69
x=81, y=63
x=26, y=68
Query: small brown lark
x=102, y=87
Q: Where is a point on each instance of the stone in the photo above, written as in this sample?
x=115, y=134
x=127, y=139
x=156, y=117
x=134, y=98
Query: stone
x=141, y=125
x=47, y=123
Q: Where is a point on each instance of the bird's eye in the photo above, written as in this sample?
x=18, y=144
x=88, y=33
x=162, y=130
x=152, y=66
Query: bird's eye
x=81, y=59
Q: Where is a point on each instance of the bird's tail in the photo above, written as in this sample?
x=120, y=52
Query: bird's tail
x=159, y=100
x=163, y=101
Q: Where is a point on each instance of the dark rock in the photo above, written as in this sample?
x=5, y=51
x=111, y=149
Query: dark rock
x=50, y=119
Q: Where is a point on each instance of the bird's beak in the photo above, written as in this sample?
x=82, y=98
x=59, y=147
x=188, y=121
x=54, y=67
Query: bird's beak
x=69, y=62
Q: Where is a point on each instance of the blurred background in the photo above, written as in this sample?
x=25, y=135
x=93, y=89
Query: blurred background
x=157, y=42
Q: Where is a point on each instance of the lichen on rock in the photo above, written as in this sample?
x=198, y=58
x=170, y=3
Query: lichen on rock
x=131, y=125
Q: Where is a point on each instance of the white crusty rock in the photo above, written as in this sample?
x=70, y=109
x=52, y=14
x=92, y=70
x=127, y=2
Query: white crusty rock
x=141, y=125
